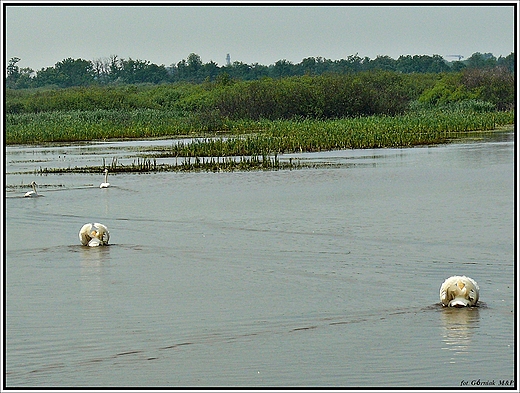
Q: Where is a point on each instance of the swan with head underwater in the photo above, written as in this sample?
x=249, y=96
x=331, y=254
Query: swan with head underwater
x=459, y=291
x=105, y=184
x=94, y=235
x=33, y=193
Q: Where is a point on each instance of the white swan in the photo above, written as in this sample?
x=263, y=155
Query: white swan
x=93, y=235
x=459, y=291
x=106, y=184
x=33, y=193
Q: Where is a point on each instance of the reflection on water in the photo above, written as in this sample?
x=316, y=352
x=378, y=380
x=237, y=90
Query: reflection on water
x=458, y=327
x=315, y=277
x=93, y=262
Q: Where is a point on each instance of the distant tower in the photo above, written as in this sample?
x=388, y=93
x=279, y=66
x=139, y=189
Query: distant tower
x=228, y=60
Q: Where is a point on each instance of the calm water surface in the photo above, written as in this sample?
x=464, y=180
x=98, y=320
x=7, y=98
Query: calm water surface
x=315, y=277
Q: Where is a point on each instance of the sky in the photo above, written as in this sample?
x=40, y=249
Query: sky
x=42, y=36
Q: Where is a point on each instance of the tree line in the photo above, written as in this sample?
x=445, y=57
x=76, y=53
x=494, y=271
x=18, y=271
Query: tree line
x=119, y=71
x=326, y=96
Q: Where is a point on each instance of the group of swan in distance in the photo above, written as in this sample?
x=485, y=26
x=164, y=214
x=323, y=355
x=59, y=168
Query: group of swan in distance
x=34, y=193
x=94, y=235
x=459, y=291
x=456, y=291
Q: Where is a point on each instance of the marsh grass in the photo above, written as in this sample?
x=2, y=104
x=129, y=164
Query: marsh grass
x=310, y=135
x=69, y=126
x=187, y=164
x=256, y=143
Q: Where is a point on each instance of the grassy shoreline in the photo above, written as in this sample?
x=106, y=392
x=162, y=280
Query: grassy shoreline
x=260, y=119
x=268, y=135
x=256, y=145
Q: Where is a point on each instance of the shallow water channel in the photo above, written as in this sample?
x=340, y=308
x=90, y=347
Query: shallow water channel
x=325, y=276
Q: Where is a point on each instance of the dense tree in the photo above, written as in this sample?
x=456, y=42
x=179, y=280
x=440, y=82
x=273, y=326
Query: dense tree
x=13, y=72
x=457, y=66
x=495, y=85
x=140, y=71
x=70, y=72
x=507, y=62
x=194, y=63
x=353, y=63
x=282, y=68
x=79, y=72
x=239, y=70
x=481, y=60
x=385, y=63
x=209, y=71
x=423, y=64
x=46, y=77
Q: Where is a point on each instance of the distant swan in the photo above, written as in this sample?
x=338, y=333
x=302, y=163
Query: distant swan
x=93, y=235
x=33, y=193
x=459, y=291
x=106, y=184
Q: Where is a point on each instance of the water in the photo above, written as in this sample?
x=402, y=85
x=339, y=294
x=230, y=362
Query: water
x=315, y=277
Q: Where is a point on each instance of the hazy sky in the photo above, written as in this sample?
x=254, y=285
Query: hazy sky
x=41, y=36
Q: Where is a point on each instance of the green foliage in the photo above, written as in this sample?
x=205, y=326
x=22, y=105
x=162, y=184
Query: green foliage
x=447, y=89
x=125, y=97
x=129, y=111
x=495, y=86
x=116, y=71
x=308, y=135
x=264, y=136
x=325, y=96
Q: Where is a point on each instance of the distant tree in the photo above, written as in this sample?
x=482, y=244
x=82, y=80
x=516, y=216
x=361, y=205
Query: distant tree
x=101, y=68
x=421, y=63
x=70, y=72
x=354, y=63
x=259, y=71
x=189, y=69
x=209, y=71
x=115, y=68
x=308, y=66
x=407, y=64
x=13, y=72
x=193, y=65
x=180, y=71
x=385, y=63
x=239, y=70
x=79, y=72
x=26, y=79
x=481, y=60
x=142, y=71
x=223, y=79
x=507, y=62
x=457, y=66
x=437, y=64
x=282, y=68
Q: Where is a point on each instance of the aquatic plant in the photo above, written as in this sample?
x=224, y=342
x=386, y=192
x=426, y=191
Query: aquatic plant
x=209, y=164
x=253, y=137
x=308, y=135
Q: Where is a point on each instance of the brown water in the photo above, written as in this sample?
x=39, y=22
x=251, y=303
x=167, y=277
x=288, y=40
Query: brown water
x=314, y=277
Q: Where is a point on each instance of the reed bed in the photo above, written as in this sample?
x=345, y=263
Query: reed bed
x=256, y=143
x=268, y=135
x=69, y=126
x=187, y=164
x=309, y=135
